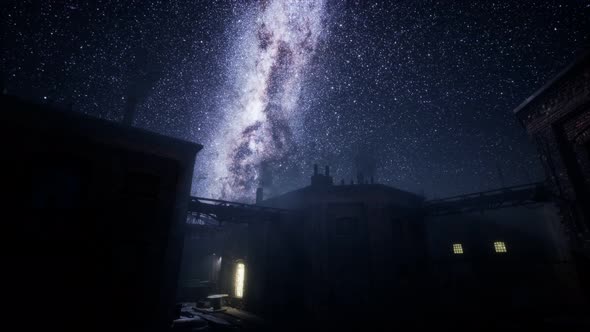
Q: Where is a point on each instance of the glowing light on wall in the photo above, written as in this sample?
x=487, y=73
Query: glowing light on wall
x=239, y=280
x=500, y=247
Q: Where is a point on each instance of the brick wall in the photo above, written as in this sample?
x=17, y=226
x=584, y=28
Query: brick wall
x=558, y=120
x=571, y=92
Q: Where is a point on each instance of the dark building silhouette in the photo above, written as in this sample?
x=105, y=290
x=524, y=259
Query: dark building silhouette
x=557, y=117
x=505, y=266
x=96, y=212
x=355, y=256
x=349, y=241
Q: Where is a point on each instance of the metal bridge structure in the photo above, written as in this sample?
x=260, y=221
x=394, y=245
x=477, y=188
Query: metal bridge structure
x=212, y=213
x=522, y=195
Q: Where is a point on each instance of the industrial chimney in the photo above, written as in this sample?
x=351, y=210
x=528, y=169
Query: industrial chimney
x=259, y=195
x=321, y=179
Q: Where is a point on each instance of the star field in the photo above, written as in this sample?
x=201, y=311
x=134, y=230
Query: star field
x=423, y=91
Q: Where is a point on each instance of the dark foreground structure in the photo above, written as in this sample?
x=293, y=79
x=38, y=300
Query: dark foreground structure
x=95, y=215
x=557, y=117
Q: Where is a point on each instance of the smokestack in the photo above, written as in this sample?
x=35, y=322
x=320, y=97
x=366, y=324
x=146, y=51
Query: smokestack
x=259, y=195
x=130, y=108
x=500, y=175
x=315, y=169
x=327, y=170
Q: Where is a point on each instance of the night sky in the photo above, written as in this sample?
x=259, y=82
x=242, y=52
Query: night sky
x=419, y=92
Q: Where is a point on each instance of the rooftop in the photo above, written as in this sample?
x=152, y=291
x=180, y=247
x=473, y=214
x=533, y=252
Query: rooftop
x=580, y=61
x=326, y=192
x=40, y=118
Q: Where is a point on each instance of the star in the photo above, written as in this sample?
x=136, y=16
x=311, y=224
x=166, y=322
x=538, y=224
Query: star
x=272, y=87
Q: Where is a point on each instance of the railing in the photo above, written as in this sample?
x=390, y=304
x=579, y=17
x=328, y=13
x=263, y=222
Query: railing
x=521, y=195
x=235, y=212
x=226, y=211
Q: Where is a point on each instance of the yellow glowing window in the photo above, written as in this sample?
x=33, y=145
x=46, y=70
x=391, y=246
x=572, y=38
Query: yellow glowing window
x=500, y=246
x=239, y=280
x=457, y=248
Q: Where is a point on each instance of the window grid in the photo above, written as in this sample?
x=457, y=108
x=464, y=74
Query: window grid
x=457, y=249
x=500, y=247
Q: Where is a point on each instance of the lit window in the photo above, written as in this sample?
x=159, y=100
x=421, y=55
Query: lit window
x=239, y=281
x=500, y=246
x=457, y=248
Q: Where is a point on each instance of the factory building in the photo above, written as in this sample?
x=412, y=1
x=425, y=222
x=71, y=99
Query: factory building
x=94, y=214
x=557, y=118
x=359, y=245
x=370, y=250
x=366, y=253
x=499, y=265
